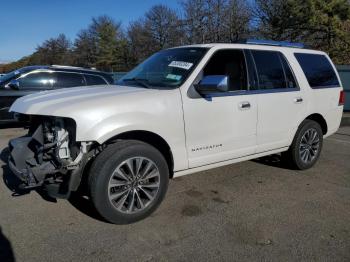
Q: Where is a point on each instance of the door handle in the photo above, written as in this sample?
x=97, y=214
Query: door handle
x=298, y=100
x=244, y=105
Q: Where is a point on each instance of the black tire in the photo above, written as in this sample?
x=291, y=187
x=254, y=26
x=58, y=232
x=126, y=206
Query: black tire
x=104, y=166
x=292, y=158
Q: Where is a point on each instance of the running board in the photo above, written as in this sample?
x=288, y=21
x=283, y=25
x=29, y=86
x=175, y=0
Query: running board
x=228, y=162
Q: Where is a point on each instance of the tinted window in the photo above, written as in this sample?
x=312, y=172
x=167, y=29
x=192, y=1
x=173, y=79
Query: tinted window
x=269, y=68
x=109, y=79
x=68, y=80
x=290, y=80
x=253, y=78
x=14, y=74
x=318, y=70
x=39, y=80
x=230, y=63
x=94, y=80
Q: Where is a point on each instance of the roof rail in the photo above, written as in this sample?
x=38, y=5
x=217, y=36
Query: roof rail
x=72, y=67
x=274, y=43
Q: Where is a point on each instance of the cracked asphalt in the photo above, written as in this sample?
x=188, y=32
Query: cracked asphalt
x=251, y=211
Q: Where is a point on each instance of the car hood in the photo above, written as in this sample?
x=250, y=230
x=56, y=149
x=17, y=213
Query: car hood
x=65, y=102
x=102, y=112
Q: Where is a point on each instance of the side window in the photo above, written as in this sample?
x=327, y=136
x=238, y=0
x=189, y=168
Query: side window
x=290, y=79
x=94, y=80
x=253, y=78
x=318, y=70
x=230, y=63
x=37, y=80
x=270, y=69
x=68, y=80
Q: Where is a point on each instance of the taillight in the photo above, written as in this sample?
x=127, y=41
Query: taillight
x=342, y=98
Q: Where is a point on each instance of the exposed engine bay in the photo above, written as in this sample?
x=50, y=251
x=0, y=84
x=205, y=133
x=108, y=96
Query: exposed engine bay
x=48, y=156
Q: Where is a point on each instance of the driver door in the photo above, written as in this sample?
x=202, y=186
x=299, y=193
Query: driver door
x=222, y=125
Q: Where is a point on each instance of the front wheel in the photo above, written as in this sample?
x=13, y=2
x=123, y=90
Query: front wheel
x=128, y=181
x=306, y=146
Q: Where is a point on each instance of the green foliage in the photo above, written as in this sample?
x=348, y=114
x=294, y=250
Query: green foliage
x=106, y=35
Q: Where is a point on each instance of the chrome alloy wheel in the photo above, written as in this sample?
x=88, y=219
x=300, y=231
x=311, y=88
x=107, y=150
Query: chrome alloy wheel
x=309, y=145
x=133, y=185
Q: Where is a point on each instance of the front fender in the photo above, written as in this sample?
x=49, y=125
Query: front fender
x=168, y=126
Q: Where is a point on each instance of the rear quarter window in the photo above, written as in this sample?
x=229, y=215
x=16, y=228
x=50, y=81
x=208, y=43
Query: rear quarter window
x=94, y=80
x=318, y=70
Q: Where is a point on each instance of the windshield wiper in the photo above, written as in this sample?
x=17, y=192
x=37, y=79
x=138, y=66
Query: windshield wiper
x=140, y=81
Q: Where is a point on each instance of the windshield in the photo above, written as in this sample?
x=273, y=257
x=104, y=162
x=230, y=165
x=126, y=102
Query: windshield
x=9, y=76
x=14, y=74
x=165, y=69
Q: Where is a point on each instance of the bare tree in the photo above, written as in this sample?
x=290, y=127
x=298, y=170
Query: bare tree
x=238, y=20
x=162, y=23
x=216, y=20
x=159, y=29
x=141, y=43
x=195, y=20
x=53, y=51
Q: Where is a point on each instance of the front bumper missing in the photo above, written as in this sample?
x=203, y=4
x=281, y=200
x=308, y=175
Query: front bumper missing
x=26, y=160
x=19, y=153
x=32, y=174
x=37, y=164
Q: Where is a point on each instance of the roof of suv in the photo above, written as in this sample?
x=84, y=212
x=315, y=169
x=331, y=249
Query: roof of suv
x=24, y=70
x=254, y=46
x=106, y=75
x=67, y=68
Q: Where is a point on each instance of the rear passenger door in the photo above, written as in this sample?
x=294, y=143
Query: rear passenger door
x=68, y=79
x=280, y=100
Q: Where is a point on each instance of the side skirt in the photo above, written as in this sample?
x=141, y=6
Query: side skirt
x=228, y=162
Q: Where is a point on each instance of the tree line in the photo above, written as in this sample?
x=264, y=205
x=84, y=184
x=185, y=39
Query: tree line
x=106, y=45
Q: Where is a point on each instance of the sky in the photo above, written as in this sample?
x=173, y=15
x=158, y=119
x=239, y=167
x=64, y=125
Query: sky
x=24, y=24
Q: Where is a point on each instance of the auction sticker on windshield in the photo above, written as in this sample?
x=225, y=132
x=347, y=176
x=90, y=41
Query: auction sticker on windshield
x=181, y=64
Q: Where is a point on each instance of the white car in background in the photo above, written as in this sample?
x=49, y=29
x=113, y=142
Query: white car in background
x=181, y=111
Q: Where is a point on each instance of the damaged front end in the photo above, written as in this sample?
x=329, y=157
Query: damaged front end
x=49, y=157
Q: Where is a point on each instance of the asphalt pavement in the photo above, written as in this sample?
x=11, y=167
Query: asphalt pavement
x=250, y=211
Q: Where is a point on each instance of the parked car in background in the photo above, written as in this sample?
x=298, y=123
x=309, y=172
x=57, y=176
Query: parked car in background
x=181, y=111
x=32, y=79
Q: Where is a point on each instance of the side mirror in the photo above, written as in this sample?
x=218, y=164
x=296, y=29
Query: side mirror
x=14, y=84
x=212, y=84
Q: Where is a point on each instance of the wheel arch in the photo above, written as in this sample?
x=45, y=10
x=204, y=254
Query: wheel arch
x=320, y=120
x=151, y=138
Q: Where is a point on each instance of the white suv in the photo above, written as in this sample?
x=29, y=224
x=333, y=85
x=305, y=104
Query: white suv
x=181, y=111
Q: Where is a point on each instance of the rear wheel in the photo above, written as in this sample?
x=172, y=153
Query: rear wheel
x=128, y=181
x=306, y=147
